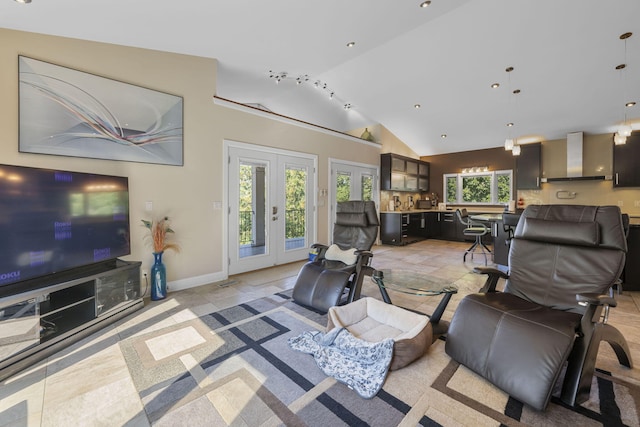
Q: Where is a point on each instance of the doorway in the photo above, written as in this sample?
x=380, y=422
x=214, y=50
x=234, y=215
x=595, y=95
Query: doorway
x=272, y=216
x=352, y=181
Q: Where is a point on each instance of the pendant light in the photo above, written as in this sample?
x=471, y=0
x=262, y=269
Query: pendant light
x=508, y=143
x=516, y=147
x=625, y=129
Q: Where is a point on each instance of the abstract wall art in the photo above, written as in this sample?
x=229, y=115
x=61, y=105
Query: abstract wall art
x=68, y=112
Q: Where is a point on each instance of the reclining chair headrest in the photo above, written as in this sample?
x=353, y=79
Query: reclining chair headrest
x=356, y=213
x=561, y=232
x=573, y=225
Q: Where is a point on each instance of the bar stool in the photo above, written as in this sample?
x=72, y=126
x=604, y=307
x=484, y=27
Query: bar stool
x=475, y=229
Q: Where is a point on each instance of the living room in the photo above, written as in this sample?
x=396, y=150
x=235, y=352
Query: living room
x=195, y=194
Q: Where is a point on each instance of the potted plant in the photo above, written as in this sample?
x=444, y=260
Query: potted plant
x=159, y=235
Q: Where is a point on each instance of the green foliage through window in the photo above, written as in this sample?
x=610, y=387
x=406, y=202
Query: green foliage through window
x=482, y=188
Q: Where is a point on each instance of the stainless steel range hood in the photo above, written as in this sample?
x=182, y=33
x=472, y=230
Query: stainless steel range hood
x=575, y=163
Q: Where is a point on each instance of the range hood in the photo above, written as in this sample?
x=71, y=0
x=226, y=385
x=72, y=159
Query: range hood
x=574, y=167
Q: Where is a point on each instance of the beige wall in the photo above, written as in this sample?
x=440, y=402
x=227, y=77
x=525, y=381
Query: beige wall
x=185, y=193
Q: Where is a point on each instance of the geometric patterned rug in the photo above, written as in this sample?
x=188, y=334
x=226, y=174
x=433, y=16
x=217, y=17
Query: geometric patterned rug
x=234, y=367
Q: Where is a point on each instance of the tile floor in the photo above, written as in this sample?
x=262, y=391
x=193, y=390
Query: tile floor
x=88, y=383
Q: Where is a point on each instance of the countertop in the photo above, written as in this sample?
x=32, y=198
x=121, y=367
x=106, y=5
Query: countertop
x=469, y=211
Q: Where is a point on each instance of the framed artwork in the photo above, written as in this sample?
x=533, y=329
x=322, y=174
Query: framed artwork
x=68, y=112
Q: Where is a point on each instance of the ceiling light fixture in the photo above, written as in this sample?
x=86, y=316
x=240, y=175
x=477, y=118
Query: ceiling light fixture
x=425, y=3
x=625, y=129
x=443, y=136
x=495, y=85
x=23, y=1
x=417, y=106
x=305, y=78
x=509, y=143
x=351, y=44
x=516, y=150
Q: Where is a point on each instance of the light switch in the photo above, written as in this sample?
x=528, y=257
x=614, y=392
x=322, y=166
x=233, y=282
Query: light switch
x=149, y=206
x=217, y=205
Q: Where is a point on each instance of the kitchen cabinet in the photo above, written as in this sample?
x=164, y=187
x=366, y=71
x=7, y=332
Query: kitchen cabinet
x=631, y=274
x=393, y=228
x=625, y=171
x=402, y=228
x=434, y=230
x=401, y=173
x=529, y=167
x=449, y=226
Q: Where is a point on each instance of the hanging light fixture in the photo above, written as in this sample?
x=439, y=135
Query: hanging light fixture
x=625, y=129
x=516, y=147
x=508, y=143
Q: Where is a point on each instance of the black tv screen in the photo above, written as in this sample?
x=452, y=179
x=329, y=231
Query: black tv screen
x=52, y=221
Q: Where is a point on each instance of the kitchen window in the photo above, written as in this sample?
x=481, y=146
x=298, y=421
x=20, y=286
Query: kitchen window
x=478, y=187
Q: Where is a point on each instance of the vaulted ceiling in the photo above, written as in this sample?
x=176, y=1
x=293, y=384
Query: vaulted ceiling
x=443, y=57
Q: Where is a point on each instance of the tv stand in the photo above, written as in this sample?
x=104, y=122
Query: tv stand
x=62, y=309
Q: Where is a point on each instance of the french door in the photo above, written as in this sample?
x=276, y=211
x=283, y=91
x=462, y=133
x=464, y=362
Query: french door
x=271, y=207
x=352, y=181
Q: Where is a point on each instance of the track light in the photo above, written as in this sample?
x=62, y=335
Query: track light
x=304, y=78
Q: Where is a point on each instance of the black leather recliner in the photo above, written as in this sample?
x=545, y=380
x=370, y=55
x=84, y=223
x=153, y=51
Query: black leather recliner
x=563, y=260
x=322, y=283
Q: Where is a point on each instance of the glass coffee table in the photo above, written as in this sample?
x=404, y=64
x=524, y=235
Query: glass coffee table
x=416, y=283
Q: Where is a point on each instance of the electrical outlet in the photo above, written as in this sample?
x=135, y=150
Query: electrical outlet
x=620, y=203
x=144, y=273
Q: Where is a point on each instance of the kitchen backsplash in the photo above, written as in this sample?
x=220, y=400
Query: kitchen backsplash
x=584, y=193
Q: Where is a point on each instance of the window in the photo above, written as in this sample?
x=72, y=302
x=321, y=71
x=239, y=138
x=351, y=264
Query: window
x=478, y=187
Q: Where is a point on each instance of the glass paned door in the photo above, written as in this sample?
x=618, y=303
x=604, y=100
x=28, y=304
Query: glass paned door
x=271, y=208
x=351, y=181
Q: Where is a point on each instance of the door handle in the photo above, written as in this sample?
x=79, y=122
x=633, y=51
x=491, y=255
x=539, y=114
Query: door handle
x=274, y=218
x=274, y=210
x=616, y=178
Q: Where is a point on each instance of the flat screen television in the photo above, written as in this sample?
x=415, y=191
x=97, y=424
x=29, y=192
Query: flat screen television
x=54, y=221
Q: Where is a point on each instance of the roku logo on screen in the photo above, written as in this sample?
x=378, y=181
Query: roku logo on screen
x=12, y=276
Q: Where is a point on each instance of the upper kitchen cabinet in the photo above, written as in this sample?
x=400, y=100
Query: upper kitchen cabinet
x=401, y=173
x=626, y=173
x=529, y=167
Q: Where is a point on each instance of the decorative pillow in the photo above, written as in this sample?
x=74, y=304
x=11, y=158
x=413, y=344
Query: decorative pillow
x=334, y=253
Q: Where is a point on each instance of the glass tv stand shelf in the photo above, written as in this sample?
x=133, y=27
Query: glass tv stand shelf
x=38, y=322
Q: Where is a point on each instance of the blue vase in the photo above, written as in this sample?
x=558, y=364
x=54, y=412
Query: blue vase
x=158, y=278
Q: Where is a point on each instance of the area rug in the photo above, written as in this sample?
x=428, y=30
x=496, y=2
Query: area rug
x=234, y=367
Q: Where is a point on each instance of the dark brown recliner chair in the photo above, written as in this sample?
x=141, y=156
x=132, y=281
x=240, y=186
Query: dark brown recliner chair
x=321, y=283
x=563, y=260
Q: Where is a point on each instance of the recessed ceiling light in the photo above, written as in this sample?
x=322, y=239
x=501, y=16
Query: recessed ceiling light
x=495, y=85
x=425, y=3
x=517, y=91
x=630, y=104
x=351, y=44
x=24, y=1
x=443, y=136
x=509, y=124
x=417, y=106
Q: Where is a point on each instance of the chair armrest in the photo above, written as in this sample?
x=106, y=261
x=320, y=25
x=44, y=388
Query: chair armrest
x=493, y=274
x=596, y=299
x=322, y=249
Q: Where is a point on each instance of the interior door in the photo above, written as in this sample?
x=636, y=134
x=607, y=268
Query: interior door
x=271, y=208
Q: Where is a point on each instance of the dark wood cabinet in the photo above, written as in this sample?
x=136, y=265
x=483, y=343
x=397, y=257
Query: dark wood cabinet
x=434, y=230
x=529, y=167
x=625, y=170
x=402, y=228
x=631, y=274
x=401, y=173
x=449, y=226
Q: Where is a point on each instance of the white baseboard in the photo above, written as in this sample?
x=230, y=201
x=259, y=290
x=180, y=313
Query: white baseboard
x=192, y=282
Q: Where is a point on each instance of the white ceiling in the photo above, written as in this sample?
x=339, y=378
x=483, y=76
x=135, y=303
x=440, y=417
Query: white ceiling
x=444, y=57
